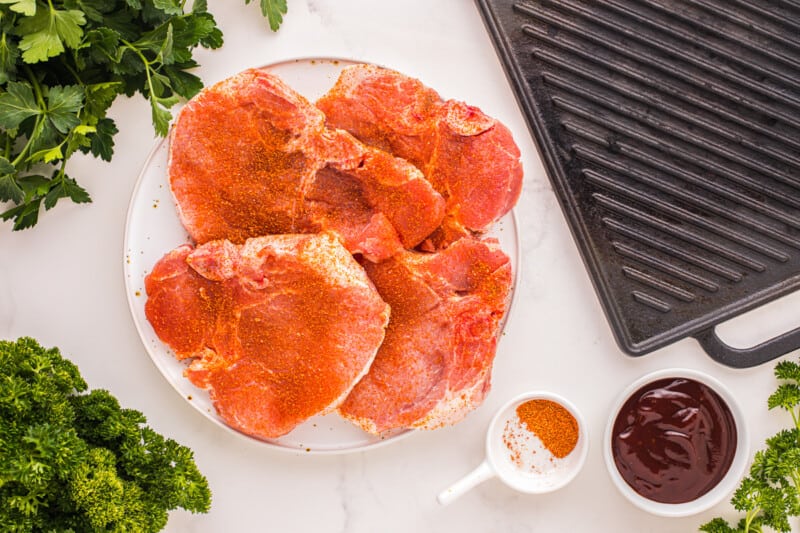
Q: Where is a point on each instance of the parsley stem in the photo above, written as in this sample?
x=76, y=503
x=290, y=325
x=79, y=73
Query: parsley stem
x=139, y=53
x=73, y=72
x=21, y=156
x=62, y=170
x=147, y=68
x=7, y=148
x=37, y=89
x=751, y=514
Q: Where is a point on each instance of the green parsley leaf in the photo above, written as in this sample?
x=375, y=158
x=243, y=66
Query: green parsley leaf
x=79, y=140
x=99, y=97
x=66, y=187
x=183, y=83
x=165, y=54
x=103, y=139
x=93, y=9
x=124, y=22
x=206, y=31
x=274, y=11
x=786, y=397
x=170, y=7
x=47, y=32
x=17, y=104
x=151, y=41
x=161, y=114
x=191, y=31
x=63, y=105
x=40, y=46
x=785, y=439
x=769, y=496
x=8, y=59
x=48, y=155
x=6, y=167
x=78, y=461
x=44, y=138
x=26, y=7
x=52, y=197
x=68, y=26
x=718, y=525
x=788, y=370
x=62, y=64
x=101, y=45
x=9, y=190
x=34, y=185
x=24, y=215
x=160, y=85
x=128, y=65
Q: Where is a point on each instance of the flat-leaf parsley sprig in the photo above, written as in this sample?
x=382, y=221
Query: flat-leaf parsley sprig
x=770, y=495
x=273, y=11
x=62, y=64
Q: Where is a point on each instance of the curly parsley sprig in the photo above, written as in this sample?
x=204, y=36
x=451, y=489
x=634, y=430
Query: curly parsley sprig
x=75, y=460
x=62, y=64
x=770, y=495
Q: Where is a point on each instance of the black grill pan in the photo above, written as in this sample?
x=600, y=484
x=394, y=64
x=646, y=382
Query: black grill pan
x=670, y=130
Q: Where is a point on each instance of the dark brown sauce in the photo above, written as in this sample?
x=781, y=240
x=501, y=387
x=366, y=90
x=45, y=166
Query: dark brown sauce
x=674, y=439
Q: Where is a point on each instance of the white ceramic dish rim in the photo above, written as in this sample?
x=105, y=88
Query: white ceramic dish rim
x=565, y=476
x=156, y=358
x=728, y=483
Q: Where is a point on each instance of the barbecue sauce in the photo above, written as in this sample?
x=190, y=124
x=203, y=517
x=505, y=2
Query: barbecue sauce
x=674, y=439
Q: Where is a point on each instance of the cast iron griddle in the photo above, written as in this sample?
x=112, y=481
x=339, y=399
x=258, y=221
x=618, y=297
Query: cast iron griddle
x=670, y=130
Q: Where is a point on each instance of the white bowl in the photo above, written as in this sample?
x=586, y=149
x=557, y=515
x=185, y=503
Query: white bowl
x=499, y=462
x=497, y=451
x=727, y=484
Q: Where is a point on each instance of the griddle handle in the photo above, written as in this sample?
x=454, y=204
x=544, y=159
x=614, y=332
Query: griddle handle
x=748, y=357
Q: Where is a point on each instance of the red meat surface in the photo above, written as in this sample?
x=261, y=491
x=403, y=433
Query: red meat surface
x=434, y=365
x=249, y=156
x=468, y=157
x=279, y=329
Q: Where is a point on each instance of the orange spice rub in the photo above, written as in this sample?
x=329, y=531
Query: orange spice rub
x=552, y=423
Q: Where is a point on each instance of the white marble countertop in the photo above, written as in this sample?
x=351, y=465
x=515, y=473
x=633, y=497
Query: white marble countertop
x=62, y=283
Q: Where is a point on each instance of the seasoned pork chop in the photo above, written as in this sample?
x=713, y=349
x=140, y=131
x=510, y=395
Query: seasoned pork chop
x=249, y=156
x=240, y=153
x=434, y=365
x=468, y=157
x=279, y=329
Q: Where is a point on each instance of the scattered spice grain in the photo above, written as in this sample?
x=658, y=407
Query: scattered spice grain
x=552, y=423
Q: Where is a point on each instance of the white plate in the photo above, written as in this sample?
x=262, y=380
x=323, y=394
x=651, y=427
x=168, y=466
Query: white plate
x=153, y=229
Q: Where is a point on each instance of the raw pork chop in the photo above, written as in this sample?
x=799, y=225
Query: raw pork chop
x=378, y=203
x=469, y=157
x=280, y=328
x=435, y=363
x=249, y=156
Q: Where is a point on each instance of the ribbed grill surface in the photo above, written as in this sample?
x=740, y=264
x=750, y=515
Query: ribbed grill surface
x=671, y=132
